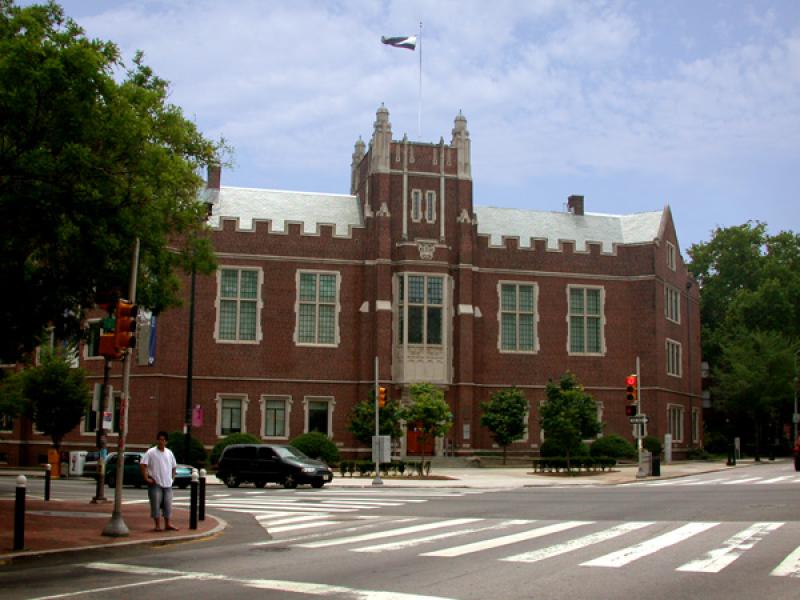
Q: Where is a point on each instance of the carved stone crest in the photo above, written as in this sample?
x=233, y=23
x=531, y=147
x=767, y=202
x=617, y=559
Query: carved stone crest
x=426, y=249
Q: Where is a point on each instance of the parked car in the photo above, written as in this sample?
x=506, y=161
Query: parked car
x=796, y=452
x=133, y=473
x=263, y=463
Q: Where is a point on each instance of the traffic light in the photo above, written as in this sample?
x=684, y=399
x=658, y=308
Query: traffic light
x=632, y=388
x=108, y=346
x=125, y=327
x=381, y=397
x=631, y=410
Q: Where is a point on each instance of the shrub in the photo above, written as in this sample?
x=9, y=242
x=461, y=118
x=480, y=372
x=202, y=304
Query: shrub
x=234, y=438
x=697, y=454
x=550, y=448
x=197, y=452
x=614, y=446
x=653, y=445
x=317, y=445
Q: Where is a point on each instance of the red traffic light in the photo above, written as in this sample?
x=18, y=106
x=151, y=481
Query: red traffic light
x=125, y=326
x=631, y=388
x=631, y=410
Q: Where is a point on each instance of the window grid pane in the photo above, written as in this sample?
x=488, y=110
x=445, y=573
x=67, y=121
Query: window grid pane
x=576, y=301
x=593, y=302
x=229, y=283
x=526, y=332
x=327, y=288
x=247, y=321
x=275, y=419
x=509, y=332
x=576, y=334
x=327, y=324
x=308, y=287
x=227, y=320
x=434, y=290
x=308, y=316
x=526, y=298
x=249, y=284
x=415, y=324
x=434, y=325
x=416, y=290
x=508, y=297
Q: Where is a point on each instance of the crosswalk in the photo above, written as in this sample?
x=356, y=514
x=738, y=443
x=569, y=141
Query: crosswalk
x=704, y=547
x=727, y=479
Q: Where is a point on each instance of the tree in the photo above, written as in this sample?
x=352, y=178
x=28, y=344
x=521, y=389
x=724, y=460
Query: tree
x=198, y=457
x=87, y=165
x=505, y=416
x=754, y=380
x=569, y=415
x=362, y=420
x=429, y=412
x=58, y=395
x=12, y=401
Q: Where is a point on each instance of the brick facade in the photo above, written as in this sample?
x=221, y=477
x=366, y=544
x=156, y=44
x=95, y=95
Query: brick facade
x=448, y=241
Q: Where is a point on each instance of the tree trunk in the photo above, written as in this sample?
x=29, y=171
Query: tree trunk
x=504, y=454
x=757, y=444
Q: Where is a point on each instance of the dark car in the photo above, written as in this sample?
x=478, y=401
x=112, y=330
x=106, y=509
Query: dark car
x=133, y=473
x=263, y=463
x=796, y=452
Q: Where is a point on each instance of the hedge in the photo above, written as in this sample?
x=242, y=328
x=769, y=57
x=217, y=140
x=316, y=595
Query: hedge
x=558, y=464
x=396, y=468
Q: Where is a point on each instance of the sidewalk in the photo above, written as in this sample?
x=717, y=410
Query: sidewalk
x=61, y=526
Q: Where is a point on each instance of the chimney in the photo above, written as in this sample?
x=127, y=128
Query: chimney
x=575, y=205
x=214, y=176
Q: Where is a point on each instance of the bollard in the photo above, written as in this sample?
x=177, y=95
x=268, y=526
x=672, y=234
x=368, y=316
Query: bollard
x=48, y=475
x=193, y=502
x=19, y=514
x=202, y=508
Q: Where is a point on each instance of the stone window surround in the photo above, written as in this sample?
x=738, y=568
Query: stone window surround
x=245, y=400
x=603, y=348
x=307, y=400
x=259, y=304
x=517, y=283
x=287, y=400
x=337, y=332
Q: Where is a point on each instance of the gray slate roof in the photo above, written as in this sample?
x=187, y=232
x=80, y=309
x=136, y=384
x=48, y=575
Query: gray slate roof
x=344, y=213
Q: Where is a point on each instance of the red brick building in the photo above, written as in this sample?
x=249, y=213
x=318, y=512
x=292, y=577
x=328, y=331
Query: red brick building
x=312, y=287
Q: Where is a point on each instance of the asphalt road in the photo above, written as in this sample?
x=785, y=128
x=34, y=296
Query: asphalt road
x=710, y=536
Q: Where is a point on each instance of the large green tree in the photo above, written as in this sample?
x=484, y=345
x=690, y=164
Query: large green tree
x=58, y=395
x=750, y=309
x=362, y=420
x=504, y=416
x=569, y=415
x=429, y=412
x=92, y=156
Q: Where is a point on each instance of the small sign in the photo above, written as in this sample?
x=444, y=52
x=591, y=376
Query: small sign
x=108, y=420
x=638, y=420
x=197, y=416
x=639, y=430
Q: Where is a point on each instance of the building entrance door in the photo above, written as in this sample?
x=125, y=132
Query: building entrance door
x=414, y=446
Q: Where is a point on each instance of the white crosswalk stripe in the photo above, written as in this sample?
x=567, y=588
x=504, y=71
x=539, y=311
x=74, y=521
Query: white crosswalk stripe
x=731, y=549
x=391, y=533
x=729, y=479
x=790, y=566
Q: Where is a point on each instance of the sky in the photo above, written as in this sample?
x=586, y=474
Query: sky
x=634, y=105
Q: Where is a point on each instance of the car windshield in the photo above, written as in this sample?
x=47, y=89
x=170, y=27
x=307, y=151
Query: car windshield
x=289, y=452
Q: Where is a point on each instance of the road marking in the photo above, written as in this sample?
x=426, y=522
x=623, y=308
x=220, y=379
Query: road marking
x=731, y=549
x=578, y=543
x=363, y=527
x=746, y=480
x=296, y=526
x=790, y=566
x=439, y=536
x=707, y=481
x=112, y=588
x=774, y=479
x=648, y=547
x=391, y=533
x=507, y=539
x=298, y=587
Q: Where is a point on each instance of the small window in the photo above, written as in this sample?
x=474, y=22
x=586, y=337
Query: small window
x=416, y=206
x=673, y=358
x=275, y=418
x=93, y=339
x=6, y=423
x=675, y=418
x=319, y=416
x=695, y=425
x=672, y=260
x=672, y=304
x=430, y=207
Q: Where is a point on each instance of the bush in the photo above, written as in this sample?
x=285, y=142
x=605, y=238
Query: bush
x=613, y=445
x=550, y=448
x=197, y=452
x=697, y=454
x=653, y=445
x=234, y=438
x=317, y=445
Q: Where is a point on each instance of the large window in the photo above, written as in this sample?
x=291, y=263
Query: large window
x=675, y=418
x=238, y=305
x=275, y=417
x=672, y=304
x=673, y=358
x=518, y=317
x=231, y=421
x=585, y=320
x=421, y=302
x=317, y=308
x=319, y=415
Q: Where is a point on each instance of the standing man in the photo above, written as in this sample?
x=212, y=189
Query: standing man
x=158, y=467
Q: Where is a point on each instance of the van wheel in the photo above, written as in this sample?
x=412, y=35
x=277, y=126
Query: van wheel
x=232, y=481
x=110, y=481
x=260, y=483
x=290, y=482
x=317, y=484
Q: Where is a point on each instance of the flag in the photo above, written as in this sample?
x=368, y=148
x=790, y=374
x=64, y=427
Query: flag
x=407, y=42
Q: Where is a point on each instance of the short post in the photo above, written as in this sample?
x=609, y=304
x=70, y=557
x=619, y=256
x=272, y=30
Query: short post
x=19, y=513
x=48, y=475
x=193, y=501
x=202, y=509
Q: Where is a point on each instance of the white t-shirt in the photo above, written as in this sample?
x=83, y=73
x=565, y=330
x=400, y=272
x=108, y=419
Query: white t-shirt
x=160, y=465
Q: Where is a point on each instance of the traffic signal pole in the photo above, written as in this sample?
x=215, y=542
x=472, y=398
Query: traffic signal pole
x=116, y=527
x=376, y=442
x=638, y=399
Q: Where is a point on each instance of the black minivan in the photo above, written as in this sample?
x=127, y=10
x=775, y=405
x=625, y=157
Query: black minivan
x=263, y=463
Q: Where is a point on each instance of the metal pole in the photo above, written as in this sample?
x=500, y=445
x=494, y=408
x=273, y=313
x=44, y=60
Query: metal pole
x=189, y=370
x=47, y=477
x=638, y=399
x=100, y=474
x=201, y=511
x=795, y=416
x=376, y=450
x=19, y=513
x=116, y=527
x=193, y=502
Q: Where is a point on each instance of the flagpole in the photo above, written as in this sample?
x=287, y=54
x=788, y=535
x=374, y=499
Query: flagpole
x=419, y=110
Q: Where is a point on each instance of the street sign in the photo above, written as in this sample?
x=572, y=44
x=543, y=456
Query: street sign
x=639, y=420
x=639, y=430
